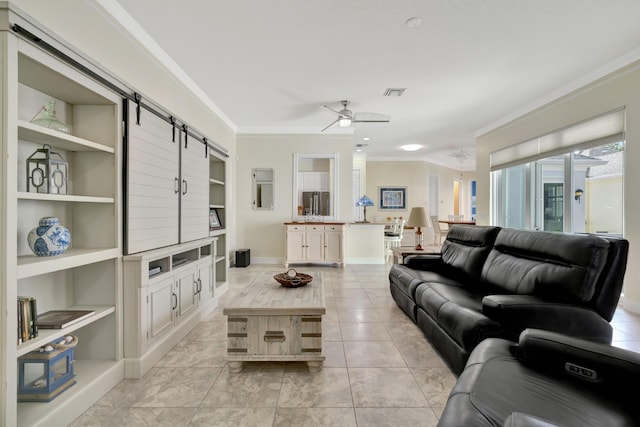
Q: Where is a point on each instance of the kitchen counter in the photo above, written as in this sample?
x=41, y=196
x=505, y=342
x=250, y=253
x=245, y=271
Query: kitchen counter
x=315, y=223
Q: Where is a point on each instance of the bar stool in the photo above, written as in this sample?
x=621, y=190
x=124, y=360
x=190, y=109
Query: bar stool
x=393, y=237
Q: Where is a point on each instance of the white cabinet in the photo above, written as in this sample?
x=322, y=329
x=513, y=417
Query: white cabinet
x=167, y=292
x=194, y=195
x=296, y=244
x=153, y=184
x=87, y=275
x=167, y=183
x=333, y=243
x=161, y=299
x=317, y=243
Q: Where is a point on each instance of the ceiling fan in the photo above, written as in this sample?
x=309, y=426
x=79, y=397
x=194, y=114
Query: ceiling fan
x=346, y=117
x=461, y=155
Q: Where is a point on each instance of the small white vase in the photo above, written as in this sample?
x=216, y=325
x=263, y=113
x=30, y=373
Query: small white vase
x=49, y=238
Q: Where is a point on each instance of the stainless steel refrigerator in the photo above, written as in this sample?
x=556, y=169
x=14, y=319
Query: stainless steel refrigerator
x=316, y=203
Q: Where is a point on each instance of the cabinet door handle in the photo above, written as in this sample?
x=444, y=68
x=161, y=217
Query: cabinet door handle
x=184, y=191
x=177, y=185
x=175, y=302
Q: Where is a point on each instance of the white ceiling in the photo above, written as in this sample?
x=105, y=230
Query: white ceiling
x=269, y=64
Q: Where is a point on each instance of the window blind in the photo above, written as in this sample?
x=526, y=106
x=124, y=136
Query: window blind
x=600, y=130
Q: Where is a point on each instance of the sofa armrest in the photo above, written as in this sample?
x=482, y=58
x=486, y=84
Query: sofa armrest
x=593, y=363
x=518, y=419
x=518, y=312
x=424, y=262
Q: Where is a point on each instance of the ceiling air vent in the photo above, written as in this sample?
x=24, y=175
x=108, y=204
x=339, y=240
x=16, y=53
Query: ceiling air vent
x=395, y=91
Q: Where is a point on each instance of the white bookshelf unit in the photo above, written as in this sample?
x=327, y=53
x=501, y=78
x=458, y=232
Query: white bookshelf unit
x=217, y=201
x=158, y=309
x=88, y=275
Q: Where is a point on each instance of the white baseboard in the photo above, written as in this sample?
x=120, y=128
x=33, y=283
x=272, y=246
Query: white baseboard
x=630, y=305
x=373, y=260
x=267, y=260
x=280, y=261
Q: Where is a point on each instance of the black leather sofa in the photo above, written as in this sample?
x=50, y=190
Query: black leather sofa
x=546, y=379
x=496, y=282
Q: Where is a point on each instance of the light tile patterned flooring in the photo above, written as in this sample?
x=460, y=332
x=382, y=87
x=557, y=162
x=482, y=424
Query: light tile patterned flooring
x=379, y=368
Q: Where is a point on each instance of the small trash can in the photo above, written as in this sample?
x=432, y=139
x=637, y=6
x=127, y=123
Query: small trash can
x=243, y=257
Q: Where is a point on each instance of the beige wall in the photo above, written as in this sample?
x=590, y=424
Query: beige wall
x=621, y=89
x=414, y=176
x=263, y=230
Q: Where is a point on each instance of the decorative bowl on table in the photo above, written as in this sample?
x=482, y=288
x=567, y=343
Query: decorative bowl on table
x=293, y=279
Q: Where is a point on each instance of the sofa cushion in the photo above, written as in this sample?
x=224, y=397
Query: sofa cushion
x=458, y=312
x=405, y=279
x=466, y=248
x=540, y=263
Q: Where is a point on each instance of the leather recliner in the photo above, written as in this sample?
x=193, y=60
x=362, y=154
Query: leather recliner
x=546, y=379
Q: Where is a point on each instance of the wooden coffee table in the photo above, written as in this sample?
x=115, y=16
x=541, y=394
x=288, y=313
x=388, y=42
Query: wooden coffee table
x=268, y=322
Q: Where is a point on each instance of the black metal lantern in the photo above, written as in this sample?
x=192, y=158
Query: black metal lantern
x=47, y=171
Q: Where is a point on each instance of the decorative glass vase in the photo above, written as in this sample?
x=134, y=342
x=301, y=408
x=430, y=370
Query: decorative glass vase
x=49, y=238
x=46, y=117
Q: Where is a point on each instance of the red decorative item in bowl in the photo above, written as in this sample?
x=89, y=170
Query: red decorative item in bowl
x=293, y=279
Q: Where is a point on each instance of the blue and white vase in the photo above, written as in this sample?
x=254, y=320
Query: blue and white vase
x=49, y=238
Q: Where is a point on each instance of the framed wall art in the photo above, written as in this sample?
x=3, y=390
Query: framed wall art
x=214, y=220
x=393, y=198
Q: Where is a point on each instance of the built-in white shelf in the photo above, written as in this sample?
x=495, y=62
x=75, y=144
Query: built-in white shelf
x=22, y=195
x=32, y=265
x=45, y=336
x=220, y=258
x=90, y=374
x=216, y=206
x=220, y=232
x=41, y=135
x=216, y=181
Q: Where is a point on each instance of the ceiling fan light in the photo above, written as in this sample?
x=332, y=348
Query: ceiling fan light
x=344, y=122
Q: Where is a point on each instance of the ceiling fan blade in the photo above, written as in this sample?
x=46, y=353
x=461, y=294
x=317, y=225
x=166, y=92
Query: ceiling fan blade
x=332, y=123
x=371, y=118
x=329, y=108
x=460, y=154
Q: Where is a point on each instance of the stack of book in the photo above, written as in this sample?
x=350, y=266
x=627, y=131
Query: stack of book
x=27, y=319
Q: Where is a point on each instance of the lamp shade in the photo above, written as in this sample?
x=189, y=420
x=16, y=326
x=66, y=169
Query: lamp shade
x=418, y=218
x=364, y=201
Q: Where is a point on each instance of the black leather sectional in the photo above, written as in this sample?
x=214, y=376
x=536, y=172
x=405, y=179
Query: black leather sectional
x=496, y=282
x=546, y=379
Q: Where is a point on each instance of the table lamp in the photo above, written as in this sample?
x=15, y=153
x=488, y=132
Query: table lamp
x=364, y=201
x=418, y=218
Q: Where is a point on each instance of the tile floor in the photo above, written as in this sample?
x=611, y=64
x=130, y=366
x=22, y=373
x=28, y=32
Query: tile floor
x=379, y=368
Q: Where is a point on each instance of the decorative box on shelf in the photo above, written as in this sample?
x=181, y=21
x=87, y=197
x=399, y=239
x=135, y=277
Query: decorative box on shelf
x=44, y=374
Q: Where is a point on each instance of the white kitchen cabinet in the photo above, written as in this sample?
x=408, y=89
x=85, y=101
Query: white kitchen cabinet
x=334, y=243
x=315, y=243
x=167, y=292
